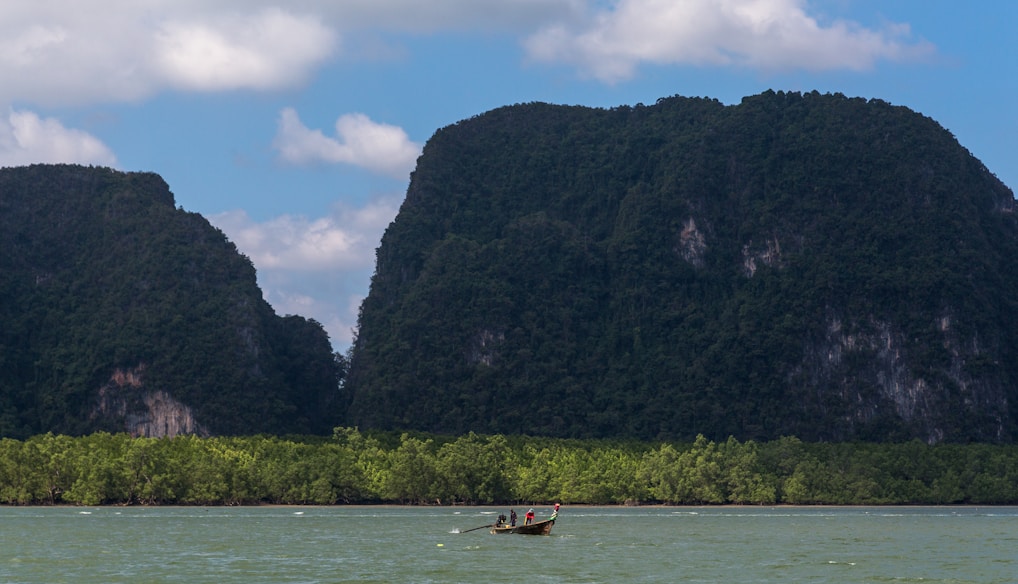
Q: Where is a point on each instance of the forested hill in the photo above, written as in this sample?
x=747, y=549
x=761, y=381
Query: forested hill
x=121, y=312
x=808, y=265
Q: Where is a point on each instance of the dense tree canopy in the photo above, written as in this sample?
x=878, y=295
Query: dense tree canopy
x=108, y=293
x=355, y=467
x=807, y=265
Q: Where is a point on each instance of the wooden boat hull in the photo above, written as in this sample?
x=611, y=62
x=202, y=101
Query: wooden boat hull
x=536, y=528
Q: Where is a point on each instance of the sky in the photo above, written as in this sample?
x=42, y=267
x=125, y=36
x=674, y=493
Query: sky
x=294, y=126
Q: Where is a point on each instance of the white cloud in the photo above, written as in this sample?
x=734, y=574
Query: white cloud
x=761, y=34
x=269, y=49
x=119, y=50
x=67, y=52
x=359, y=141
x=345, y=239
x=25, y=138
x=314, y=267
x=337, y=311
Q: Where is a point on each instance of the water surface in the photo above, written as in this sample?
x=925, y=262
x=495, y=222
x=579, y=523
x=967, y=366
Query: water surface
x=588, y=544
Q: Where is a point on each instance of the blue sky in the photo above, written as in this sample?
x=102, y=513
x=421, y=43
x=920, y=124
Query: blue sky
x=294, y=126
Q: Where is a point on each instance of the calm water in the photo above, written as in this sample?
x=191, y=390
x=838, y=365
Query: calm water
x=588, y=544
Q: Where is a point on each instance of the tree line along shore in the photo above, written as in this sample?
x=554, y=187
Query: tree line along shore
x=354, y=467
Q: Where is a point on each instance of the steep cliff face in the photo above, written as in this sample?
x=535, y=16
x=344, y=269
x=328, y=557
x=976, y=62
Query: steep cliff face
x=125, y=404
x=832, y=268
x=867, y=368
x=123, y=313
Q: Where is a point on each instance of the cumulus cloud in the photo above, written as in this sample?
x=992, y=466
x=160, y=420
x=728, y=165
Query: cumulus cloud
x=67, y=53
x=62, y=52
x=314, y=266
x=25, y=138
x=337, y=310
x=359, y=141
x=269, y=49
x=345, y=239
x=760, y=34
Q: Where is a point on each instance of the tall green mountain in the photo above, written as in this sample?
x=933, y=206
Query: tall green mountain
x=809, y=265
x=120, y=312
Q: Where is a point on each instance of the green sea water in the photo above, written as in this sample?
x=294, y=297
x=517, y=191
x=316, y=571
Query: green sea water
x=588, y=544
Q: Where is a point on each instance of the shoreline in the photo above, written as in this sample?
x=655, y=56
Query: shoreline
x=513, y=505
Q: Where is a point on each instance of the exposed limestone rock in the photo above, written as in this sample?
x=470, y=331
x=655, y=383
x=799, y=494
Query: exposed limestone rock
x=483, y=347
x=769, y=256
x=692, y=244
x=165, y=416
x=914, y=399
x=127, y=404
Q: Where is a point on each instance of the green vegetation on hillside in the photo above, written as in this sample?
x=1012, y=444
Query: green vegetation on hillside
x=809, y=265
x=355, y=467
x=110, y=293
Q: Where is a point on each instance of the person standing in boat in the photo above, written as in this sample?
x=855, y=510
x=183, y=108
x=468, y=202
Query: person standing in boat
x=529, y=517
x=554, y=514
x=512, y=517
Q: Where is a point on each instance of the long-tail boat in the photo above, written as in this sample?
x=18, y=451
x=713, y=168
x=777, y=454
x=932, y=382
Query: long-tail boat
x=535, y=528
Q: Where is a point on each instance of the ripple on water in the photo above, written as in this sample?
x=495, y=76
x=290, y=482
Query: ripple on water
x=387, y=544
